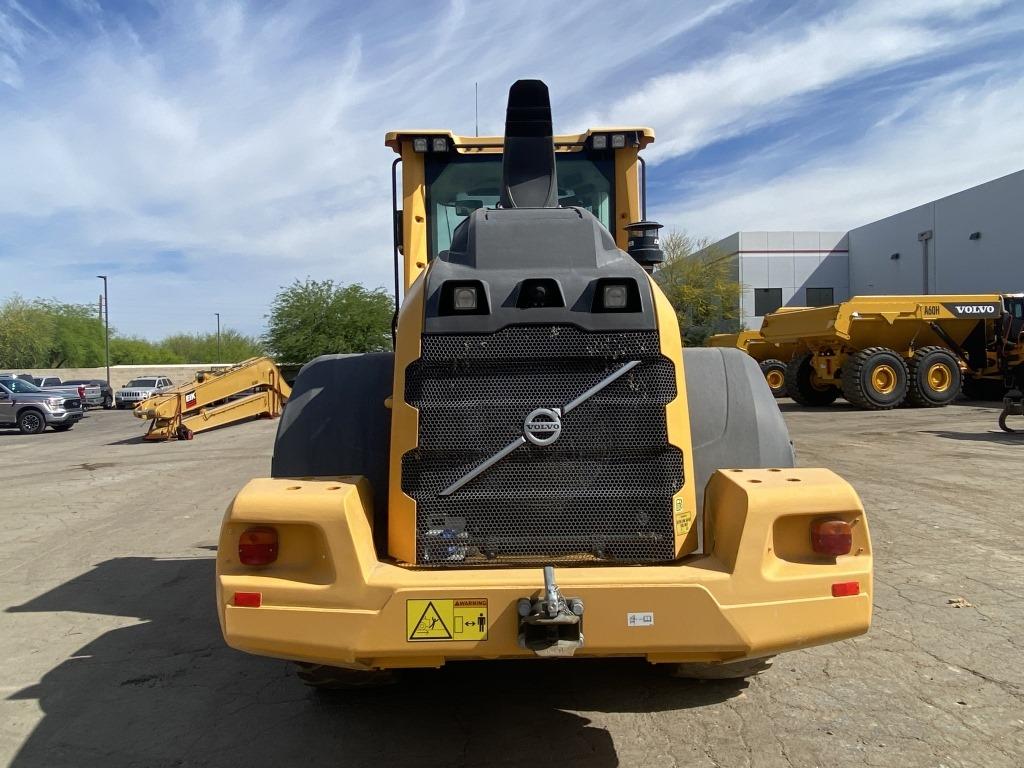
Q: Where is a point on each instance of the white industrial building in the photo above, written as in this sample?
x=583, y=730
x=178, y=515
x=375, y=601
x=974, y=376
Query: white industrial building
x=969, y=242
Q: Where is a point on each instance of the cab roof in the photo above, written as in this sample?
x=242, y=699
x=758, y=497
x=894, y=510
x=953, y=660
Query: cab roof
x=393, y=139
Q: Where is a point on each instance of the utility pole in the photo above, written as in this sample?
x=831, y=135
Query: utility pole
x=106, y=317
x=218, y=337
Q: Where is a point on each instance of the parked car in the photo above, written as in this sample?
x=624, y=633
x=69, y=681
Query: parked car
x=32, y=409
x=142, y=388
x=105, y=397
x=90, y=394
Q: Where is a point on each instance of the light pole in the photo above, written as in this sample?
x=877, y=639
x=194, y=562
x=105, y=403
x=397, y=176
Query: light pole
x=218, y=336
x=106, y=321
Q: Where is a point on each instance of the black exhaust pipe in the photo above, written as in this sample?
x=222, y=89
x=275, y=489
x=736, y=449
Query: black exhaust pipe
x=528, y=178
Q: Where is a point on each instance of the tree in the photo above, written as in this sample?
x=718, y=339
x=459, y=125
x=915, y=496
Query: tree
x=26, y=334
x=319, y=317
x=202, y=347
x=698, y=282
x=49, y=334
x=129, y=350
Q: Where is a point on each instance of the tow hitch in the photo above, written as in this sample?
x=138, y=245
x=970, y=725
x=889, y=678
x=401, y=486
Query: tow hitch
x=551, y=625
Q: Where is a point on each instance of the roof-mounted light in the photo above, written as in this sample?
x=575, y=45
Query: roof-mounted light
x=420, y=144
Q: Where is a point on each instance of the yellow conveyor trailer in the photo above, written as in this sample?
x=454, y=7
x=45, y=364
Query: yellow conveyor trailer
x=216, y=398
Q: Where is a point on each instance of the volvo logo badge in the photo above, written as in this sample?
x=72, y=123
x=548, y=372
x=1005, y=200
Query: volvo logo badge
x=542, y=426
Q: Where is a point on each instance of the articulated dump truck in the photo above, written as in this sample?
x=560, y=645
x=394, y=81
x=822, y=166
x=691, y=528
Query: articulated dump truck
x=771, y=358
x=538, y=470
x=881, y=351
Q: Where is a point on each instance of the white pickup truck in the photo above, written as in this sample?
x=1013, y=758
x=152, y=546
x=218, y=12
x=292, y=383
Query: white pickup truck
x=91, y=395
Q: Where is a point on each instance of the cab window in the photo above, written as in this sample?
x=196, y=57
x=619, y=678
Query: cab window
x=459, y=184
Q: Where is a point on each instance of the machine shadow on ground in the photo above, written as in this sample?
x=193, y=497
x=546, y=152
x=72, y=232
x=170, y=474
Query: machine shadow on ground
x=168, y=692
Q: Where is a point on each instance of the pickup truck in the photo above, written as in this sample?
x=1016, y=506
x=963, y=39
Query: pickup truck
x=91, y=395
x=31, y=409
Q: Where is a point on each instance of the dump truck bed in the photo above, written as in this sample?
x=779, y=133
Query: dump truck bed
x=892, y=321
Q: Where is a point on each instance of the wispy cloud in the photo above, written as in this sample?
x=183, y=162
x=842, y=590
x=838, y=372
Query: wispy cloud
x=247, y=140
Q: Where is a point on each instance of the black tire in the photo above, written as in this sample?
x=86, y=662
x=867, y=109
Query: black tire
x=62, y=427
x=934, y=377
x=875, y=379
x=775, y=374
x=986, y=390
x=734, y=670
x=801, y=387
x=327, y=678
x=108, y=402
x=31, y=421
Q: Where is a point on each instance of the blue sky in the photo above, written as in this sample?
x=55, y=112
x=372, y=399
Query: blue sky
x=204, y=154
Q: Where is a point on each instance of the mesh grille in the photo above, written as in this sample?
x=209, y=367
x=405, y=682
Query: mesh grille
x=602, y=491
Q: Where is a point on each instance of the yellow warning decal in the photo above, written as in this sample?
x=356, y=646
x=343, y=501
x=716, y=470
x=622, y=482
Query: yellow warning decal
x=446, y=619
x=683, y=519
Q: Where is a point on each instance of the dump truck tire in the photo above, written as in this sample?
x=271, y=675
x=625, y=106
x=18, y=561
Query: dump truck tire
x=801, y=387
x=726, y=671
x=775, y=374
x=326, y=678
x=875, y=379
x=985, y=390
x=934, y=377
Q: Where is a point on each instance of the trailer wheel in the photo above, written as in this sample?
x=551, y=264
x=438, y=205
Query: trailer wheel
x=327, y=678
x=775, y=374
x=934, y=377
x=734, y=670
x=801, y=386
x=875, y=379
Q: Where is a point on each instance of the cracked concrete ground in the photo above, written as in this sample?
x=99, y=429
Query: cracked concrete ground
x=111, y=654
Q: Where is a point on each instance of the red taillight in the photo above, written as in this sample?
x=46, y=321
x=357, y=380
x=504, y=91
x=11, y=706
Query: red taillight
x=258, y=546
x=831, y=537
x=248, y=599
x=845, y=589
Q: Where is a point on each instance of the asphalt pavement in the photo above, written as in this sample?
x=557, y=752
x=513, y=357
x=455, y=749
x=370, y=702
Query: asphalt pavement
x=110, y=653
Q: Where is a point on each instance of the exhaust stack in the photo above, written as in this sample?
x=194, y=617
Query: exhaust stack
x=528, y=178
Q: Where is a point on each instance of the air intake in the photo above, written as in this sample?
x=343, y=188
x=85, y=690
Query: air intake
x=528, y=177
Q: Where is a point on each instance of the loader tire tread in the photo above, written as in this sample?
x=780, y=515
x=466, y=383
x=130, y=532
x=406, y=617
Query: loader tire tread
x=327, y=678
x=734, y=670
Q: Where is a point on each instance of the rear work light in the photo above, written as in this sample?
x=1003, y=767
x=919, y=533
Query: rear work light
x=831, y=537
x=258, y=546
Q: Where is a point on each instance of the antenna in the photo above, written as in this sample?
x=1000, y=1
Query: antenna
x=476, y=107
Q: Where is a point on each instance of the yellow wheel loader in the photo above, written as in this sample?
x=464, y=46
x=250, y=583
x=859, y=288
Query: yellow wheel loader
x=538, y=470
